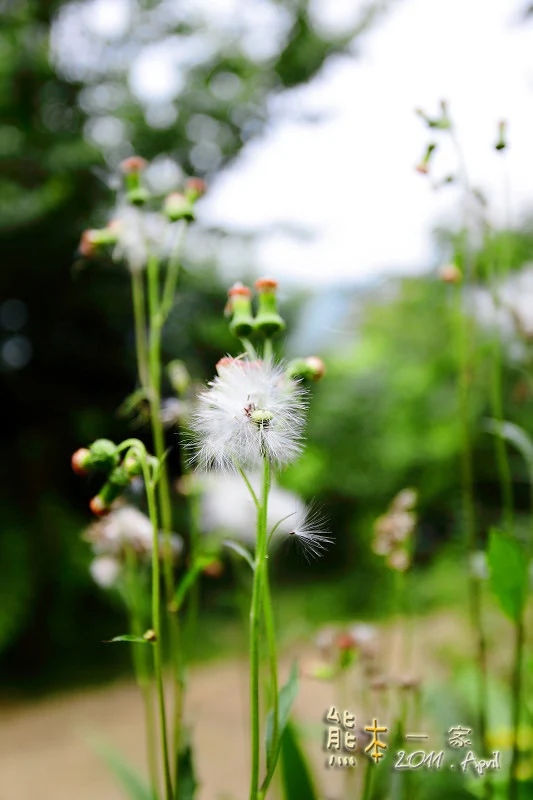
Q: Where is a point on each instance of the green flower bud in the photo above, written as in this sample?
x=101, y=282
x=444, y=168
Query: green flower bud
x=311, y=368
x=240, y=307
x=103, y=455
x=138, y=196
x=267, y=321
x=195, y=188
x=177, y=206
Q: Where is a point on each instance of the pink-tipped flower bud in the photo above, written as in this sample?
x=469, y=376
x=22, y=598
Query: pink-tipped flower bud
x=268, y=321
x=195, y=188
x=88, y=246
x=423, y=166
x=131, y=168
x=317, y=368
x=450, y=273
x=311, y=368
x=266, y=284
x=226, y=362
x=98, y=506
x=178, y=206
x=240, y=308
x=81, y=461
x=133, y=165
x=239, y=290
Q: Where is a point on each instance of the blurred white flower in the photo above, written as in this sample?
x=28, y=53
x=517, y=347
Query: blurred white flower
x=251, y=411
x=226, y=506
x=105, y=571
x=126, y=526
x=140, y=233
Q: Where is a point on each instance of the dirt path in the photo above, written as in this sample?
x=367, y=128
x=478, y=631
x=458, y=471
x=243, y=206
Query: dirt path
x=45, y=751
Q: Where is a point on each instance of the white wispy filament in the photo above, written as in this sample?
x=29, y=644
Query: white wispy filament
x=250, y=411
x=307, y=528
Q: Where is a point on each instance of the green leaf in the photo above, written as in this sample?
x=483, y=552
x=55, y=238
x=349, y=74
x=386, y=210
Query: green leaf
x=295, y=773
x=187, y=783
x=188, y=581
x=516, y=436
x=509, y=572
x=242, y=551
x=128, y=637
x=133, y=784
x=286, y=698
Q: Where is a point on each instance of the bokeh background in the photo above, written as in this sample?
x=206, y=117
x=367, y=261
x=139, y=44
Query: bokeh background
x=300, y=116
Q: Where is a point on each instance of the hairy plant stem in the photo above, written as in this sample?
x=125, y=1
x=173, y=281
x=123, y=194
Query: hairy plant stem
x=150, y=479
x=142, y=670
x=255, y=631
x=273, y=666
x=154, y=366
x=156, y=625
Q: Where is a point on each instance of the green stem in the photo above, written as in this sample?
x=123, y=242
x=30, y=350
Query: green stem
x=268, y=350
x=173, y=268
x=142, y=672
x=255, y=631
x=139, y=316
x=154, y=361
x=496, y=395
x=156, y=626
x=273, y=665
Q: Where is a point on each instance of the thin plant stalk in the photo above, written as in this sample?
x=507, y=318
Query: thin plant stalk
x=139, y=316
x=157, y=318
x=273, y=667
x=464, y=335
x=255, y=631
x=156, y=625
x=142, y=672
x=149, y=481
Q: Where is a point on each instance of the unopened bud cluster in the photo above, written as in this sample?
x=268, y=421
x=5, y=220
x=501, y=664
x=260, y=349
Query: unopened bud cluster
x=266, y=322
x=123, y=230
x=104, y=457
x=394, y=530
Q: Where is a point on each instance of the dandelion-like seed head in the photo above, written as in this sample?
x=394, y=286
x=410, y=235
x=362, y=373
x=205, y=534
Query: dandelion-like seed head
x=250, y=412
x=309, y=530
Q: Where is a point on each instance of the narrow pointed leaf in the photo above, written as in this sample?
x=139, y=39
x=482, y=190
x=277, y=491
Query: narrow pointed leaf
x=127, y=638
x=286, y=698
x=187, y=783
x=516, y=436
x=509, y=573
x=242, y=551
x=188, y=581
x=133, y=784
x=296, y=776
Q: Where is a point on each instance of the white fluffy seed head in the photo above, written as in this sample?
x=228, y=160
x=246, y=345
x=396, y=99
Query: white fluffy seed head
x=308, y=529
x=251, y=410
